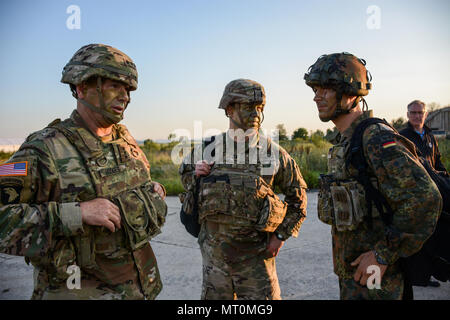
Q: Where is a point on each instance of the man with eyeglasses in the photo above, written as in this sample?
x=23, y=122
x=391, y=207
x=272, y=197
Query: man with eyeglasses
x=426, y=144
x=421, y=135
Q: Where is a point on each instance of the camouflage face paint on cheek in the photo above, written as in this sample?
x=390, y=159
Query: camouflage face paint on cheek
x=115, y=105
x=251, y=116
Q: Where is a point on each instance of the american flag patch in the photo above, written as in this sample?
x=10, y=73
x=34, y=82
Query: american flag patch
x=389, y=144
x=14, y=169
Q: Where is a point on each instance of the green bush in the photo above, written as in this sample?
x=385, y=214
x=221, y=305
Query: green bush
x=5, y=156
x=444, y=148
x=311, y=178
x=162, y=169
x=173, y=185
x=311, y=157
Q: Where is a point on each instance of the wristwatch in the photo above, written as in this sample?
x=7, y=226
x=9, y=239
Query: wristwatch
x=279, y=236
x=379, y=259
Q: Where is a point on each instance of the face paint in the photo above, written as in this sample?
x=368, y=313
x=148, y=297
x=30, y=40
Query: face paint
x=250, y=115
x=109, y=98
x=116, y=98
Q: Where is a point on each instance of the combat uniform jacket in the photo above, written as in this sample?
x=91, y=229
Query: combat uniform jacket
x=399, y=176
x=40, y=215
x=234, y=204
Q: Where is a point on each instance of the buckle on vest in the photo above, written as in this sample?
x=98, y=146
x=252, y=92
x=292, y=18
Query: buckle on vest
x=101, y=161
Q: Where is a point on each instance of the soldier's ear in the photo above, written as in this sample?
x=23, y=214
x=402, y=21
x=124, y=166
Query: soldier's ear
x=347, y=101
x=81, y=90
x=229, y=111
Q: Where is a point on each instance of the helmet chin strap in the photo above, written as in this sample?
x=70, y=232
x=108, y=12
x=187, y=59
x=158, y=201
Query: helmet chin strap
x=339, y=110
x=110, y=119
x=365, y=105
x=237, y=124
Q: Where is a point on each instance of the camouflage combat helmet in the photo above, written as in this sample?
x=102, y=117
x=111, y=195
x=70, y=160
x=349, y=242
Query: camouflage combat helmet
x=342, y=72
x=100, y=61
x=243, y=91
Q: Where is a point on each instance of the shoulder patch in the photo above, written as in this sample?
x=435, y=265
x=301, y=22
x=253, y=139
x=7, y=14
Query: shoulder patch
x=42, y=134
x=389, y=144
x=10, y=190
x=14, y=169
x=10, y=194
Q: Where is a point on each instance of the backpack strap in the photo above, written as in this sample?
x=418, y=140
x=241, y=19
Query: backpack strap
x=190, y=221
x=357, y=159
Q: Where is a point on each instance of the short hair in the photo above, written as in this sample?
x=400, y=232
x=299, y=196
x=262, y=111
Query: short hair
x=417, y=102
x=90, y=81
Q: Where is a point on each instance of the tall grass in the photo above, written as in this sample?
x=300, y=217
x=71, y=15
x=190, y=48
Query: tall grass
x=444, y=148
x=311, y=157
x=5, y=156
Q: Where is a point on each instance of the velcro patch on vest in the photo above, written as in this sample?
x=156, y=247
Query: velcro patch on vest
x=110, y=171
x=10, y=191
x=14, y=169
x=389, y=144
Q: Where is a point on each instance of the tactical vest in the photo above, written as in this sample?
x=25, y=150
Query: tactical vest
x=341, y=199
x=117, y=171
x=237, y=194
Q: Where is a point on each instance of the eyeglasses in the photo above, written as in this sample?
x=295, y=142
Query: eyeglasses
x=419, y=113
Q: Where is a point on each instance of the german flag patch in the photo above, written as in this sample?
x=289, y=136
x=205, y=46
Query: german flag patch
x=389, y=144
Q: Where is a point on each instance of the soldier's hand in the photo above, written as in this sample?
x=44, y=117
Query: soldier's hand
x=202, y=168
x=274, y=246
x=157, y=187
x=101, y=212
x=363, y=262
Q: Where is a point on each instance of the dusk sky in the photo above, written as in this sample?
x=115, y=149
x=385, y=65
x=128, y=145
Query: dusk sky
x=187, y=51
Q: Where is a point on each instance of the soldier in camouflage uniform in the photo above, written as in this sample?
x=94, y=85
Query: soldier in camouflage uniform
x=339, y=82
x=243, y=222
x=83, y=194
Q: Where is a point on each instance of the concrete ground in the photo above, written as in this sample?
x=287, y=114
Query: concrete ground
x=304, y=264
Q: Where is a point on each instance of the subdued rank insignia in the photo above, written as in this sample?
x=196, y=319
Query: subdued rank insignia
x=123, y=154
x=10, y=194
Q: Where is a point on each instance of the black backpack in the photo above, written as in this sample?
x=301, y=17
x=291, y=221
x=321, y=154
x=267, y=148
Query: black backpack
x=433, y=259
x=190, y=221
